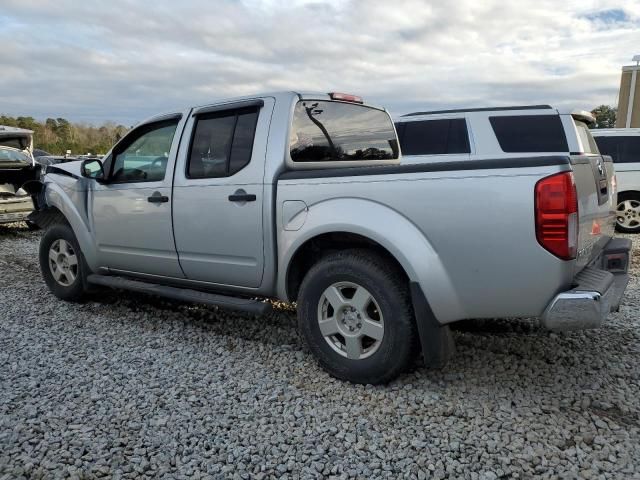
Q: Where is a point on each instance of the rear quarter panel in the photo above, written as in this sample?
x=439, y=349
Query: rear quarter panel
x=468, y=237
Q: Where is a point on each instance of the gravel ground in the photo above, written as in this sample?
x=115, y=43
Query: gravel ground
x=135, y=387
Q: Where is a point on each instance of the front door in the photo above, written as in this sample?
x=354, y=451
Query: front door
x=132, y=211
x=218, y=194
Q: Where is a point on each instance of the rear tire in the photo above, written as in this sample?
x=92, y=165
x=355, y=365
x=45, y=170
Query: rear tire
x=62, y=264
x=628, y=213
x=356, y=317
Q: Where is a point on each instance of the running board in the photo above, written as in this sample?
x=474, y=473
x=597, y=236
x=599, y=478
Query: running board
x=187, y=295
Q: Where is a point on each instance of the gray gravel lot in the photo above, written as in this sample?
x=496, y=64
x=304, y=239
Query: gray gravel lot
x=126, y=386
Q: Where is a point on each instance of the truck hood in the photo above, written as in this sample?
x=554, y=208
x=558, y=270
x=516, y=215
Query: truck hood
x=69, y=168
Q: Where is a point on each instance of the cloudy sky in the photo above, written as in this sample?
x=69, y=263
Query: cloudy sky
x=123, y=60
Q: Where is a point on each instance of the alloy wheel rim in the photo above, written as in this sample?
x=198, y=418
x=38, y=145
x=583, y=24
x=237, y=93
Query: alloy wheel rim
x=628, y=214
x=350, y=320
x=63, y=262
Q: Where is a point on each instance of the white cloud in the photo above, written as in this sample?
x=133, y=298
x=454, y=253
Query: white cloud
x=125, y=59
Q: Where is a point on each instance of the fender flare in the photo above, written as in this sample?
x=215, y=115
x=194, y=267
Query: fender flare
x=56, y=196
x=390, y=229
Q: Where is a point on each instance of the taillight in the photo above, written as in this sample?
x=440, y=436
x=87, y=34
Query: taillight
x=345, y=97
x=556, y=205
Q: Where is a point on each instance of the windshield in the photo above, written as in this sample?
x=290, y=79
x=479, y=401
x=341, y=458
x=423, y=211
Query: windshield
x=325, y=131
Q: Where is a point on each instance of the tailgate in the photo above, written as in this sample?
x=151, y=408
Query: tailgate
x=593, y=176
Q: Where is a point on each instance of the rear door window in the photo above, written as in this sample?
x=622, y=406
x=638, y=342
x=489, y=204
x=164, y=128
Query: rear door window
x=621, y=149
x=530, y=133
x=434, y=137
x=222, y=143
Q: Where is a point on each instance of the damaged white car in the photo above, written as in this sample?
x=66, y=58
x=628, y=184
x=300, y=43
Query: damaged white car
x=17, y=170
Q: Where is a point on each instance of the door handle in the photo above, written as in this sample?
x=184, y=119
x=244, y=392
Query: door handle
x=242, y=196
x=157, y=197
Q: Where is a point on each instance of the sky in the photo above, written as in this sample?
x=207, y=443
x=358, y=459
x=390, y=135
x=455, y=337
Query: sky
x=124, y=60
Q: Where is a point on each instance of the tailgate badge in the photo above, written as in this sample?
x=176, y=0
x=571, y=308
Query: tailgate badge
x=595, y=228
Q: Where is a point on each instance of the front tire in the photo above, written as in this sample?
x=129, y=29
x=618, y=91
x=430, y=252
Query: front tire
x=355, y=315
x=62, y=264
x=628, y=213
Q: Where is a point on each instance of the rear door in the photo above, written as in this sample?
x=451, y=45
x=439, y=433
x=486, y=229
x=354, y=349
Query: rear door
x=218, y=194
x=593, y=176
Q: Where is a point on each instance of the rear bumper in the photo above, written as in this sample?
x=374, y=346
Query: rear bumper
x=598, y=291
x=16, y=209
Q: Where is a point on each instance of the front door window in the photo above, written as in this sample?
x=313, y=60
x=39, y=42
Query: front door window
x=144, y=158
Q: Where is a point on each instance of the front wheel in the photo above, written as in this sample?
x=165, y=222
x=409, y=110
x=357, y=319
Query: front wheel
x=355, y=314
x=62, y=264
x=628, y=213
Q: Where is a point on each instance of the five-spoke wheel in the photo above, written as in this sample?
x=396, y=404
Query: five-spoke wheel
x=355, y=314
x=628, y=213
x=350, y=320
x=63, y=262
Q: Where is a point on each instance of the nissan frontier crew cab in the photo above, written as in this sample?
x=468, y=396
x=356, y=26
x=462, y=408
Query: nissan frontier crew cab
x=303, y=197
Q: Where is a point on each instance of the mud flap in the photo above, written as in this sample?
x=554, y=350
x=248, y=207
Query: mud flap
x=46, y=217
x=436, y=340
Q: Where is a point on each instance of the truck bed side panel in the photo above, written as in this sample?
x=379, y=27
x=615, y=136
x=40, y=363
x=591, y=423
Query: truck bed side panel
x=480, y=223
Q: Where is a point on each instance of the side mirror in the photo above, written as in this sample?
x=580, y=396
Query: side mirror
x=92, y=168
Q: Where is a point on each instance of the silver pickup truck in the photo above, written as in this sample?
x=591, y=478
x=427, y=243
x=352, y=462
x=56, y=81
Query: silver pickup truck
x=303, y=197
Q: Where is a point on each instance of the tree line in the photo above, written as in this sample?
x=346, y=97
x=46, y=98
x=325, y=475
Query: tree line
x=57, y=135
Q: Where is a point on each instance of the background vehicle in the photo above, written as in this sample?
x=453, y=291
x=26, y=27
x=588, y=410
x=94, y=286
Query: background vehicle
x=17, y=168
x=494, y=133
x=40, y=153
x=623, y=145
x=301, y=197
x=54, y=159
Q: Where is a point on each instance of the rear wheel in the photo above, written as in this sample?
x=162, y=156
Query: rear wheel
x=355, y=314
x=62, y=264
x=628, y=213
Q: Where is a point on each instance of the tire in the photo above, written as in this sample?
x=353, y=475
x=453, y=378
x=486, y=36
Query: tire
x=69, y=263
x=628, y=213
x=388, y=315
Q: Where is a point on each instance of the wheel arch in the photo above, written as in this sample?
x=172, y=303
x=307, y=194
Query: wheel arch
x=635, y=193
x=59, y=206
x=345, y=223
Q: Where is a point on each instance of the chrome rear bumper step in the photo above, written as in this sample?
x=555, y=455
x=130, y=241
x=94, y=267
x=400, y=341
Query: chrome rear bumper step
x=186, y=295
x=599, y=290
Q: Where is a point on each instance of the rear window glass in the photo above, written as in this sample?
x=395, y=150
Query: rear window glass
x=434, y=137
x=530, y=133
x=588, y=143
x=18, y=142
x=324, y=131
x=621, y=149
